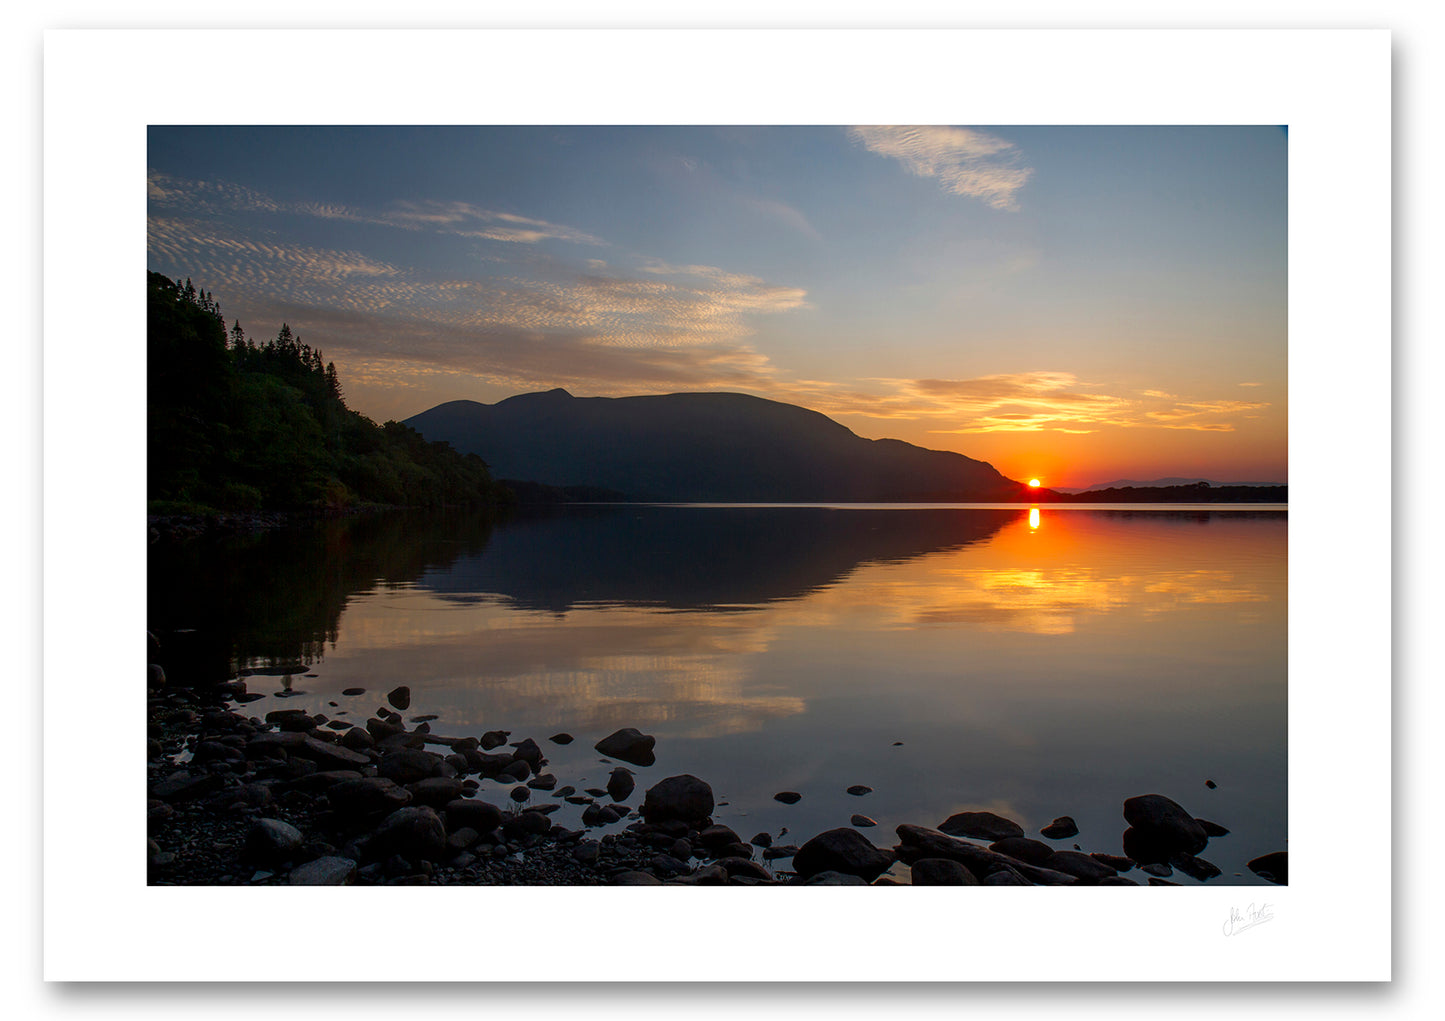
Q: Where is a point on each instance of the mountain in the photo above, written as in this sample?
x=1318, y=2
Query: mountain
x=702, y=447
x=1156, y=483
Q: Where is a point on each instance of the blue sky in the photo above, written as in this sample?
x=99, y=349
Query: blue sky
x=1073, y=303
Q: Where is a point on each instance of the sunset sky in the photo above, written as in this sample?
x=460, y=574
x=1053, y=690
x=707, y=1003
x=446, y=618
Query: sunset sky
x=1073, y=304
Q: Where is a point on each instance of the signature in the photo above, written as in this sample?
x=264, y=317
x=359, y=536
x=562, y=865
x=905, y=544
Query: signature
x=1255, y=914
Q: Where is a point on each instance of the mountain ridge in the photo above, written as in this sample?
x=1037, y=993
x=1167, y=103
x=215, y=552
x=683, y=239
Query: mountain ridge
x=705, y=446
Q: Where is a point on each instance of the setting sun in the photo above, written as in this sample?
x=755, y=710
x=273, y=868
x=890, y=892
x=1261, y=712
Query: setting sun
x=1034, y=483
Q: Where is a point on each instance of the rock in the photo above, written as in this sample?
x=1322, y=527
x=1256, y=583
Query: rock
x=635, y=879
x=485, y=764
x=744, y=867
x=1005, y=877
x=519, y=794
x=271, y=840
x=1212, y=829
x=494, y=739
x=380, y=730
x=842, y=850
x=862, y=820
x=684, y=798
x=981, y=825
x=561, y=739
x=327, y=871
x=185, y=786
x=941, y=872
x=436, y=791
x=414, y=833
x=858, y=790
x=1085, y=868
x=1163, y=822
x=629, y=745
x=529, y=752
x=544, y=782
x=1195, y=868
x=761, y=840
x=1161, y=882
x=788, y=797
x=400, y=696
x=371, y=795
x=353, y=691
x=1156, y=868
x=832, y=878
x=620, y=784
x=315, y=783
x=586, y=852
x=1117, y=862
x=779, y=851
x=517, y=769
x=1210, y=784
x=918, y=842
x=155, y=676
x=468, y=812
x=718, y=835
x=1273, y=866
x=666, y=865
x=680, y=849
x=1061, y=828
x=1035, y=852
x=408, y=765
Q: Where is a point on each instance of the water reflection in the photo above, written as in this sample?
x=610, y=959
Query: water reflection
x=1047, y=662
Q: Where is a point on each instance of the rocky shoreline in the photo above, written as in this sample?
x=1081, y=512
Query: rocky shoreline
x=300, y=799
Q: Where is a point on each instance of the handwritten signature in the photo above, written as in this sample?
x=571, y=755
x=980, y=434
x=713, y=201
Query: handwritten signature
x=1255, y=914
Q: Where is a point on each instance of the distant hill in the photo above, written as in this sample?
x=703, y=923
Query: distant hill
x=1198, y=492
x=1156, y=483
x=701, y=447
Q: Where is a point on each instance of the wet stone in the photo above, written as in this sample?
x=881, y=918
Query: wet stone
x=788, y=797
x=858, y=790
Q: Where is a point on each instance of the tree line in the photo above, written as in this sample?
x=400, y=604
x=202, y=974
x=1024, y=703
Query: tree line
x=236, y=425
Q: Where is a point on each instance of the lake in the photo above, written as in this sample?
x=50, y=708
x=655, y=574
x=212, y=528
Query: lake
x=1030, y=662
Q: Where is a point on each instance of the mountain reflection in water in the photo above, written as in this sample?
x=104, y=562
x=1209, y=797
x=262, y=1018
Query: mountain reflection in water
x=1035, y=665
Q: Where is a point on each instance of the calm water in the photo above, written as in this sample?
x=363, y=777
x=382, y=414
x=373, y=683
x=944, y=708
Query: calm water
x=1034, y=664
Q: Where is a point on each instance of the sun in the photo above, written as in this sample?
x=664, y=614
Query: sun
x=1033, y=483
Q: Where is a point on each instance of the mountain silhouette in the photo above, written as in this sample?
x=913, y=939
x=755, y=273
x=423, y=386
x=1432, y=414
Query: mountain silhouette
x=703, y=447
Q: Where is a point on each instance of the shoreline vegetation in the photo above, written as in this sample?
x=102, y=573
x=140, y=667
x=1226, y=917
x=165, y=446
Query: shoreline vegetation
x=303, y=799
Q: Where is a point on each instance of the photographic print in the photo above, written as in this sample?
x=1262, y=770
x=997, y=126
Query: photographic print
x=589, y=468
x=737, y=505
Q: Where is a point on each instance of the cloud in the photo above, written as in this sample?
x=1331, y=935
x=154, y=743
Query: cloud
x=965, y=161
x=457, y=218
x=1020, y=402
x=536, y=322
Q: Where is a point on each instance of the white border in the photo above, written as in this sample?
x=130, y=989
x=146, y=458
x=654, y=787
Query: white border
x=102, y=89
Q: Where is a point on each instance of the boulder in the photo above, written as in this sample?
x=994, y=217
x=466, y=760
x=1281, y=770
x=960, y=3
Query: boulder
x=1005, y=877
x=1195, y=868
x=408, y=765
x=478, y=815
x=980, y=825
x=560, y=739
x=842, y=850
x=400, y=696
x=620, y=784
x=494, y=739
x=1117, y=862
x=529, y=752
x=1212, y=829
x=1273, y=866
x=1035, y=852
x=941, y=872
x=831, y=878
x=271, y=840
x=436, y=791
x=1163, y=822
x=417, y=834
x=326, y=871
x=629, y=745
x=635, y=879
x=1061, y=828
x=862, y=821
x=918, y=842
x=1085, y=868
x=371, y=795
x=684, y=798
x=744, y=867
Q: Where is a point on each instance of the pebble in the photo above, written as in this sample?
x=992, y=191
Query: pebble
x=858, y=790
x=788, y=797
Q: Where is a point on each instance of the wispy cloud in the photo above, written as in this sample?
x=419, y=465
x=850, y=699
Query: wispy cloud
x=457, y=218
x=1021, y=402
x=965, y=161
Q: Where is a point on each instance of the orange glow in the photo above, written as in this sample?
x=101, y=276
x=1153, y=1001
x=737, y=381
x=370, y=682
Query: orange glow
x=1033, y=517
x=1034, y=483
